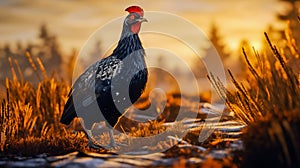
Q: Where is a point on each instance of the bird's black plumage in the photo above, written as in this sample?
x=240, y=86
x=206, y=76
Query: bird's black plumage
x=108, y=87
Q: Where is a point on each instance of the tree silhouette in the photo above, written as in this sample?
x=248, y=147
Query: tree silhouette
x=217, y=41
x=47, y=50
x=216, y=44
x=291, y=15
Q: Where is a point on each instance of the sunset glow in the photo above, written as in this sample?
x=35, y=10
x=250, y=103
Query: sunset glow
x=74, y=21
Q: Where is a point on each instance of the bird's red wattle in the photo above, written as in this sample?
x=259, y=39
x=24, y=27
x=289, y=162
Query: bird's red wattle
x=135, y=28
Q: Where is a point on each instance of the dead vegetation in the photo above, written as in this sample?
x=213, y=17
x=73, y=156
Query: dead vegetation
x=29, y=118
x=269, y=103
x=30, y=114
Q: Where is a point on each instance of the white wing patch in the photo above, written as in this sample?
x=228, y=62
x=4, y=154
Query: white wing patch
x=109, y=69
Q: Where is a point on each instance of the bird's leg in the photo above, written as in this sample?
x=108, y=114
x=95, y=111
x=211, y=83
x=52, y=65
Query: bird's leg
x=91, y=143
x=112, y=139
x=112, y=143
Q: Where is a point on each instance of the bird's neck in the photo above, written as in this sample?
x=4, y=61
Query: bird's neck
x=128, y=44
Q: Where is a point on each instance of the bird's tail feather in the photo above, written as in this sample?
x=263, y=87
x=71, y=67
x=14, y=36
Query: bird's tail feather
x=69, y=112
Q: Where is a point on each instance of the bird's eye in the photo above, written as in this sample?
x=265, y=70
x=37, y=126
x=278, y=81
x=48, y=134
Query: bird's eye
x=131, y=17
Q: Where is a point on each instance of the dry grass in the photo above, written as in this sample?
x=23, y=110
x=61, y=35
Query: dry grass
x=273, y=142
x=273, y=86
x=29, y=118
x=269, y=103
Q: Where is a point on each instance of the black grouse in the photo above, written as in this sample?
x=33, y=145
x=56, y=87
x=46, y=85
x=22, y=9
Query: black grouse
x=111, y=85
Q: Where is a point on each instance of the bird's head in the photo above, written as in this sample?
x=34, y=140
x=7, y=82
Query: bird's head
x=135, y=18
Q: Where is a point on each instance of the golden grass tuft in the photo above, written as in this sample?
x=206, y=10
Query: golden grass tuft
x=273, y=142
x=270, y=106
x=29, y=117
x=273, y=87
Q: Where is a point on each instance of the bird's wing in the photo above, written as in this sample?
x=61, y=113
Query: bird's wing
x=108, y=68
x=95, y=79
x=91, y=84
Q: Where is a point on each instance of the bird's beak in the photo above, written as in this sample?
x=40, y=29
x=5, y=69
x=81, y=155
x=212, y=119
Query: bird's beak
x=142, y=19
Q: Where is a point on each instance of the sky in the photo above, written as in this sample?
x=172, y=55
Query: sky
x=73, y=21
x=173, y=31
